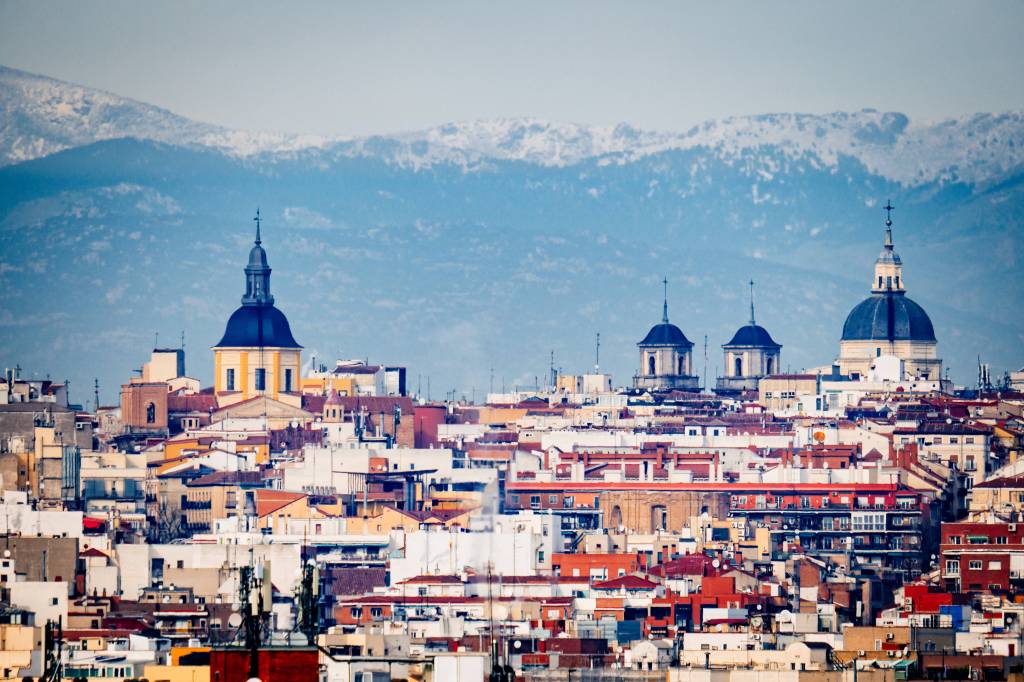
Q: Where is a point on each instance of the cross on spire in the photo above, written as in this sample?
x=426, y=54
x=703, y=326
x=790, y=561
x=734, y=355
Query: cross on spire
x=257, y=220
x=664, y=308
x=888, y=208
x=751, y=303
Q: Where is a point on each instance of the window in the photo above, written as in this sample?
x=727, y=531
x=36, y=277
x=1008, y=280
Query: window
x=969, y=440
x=974, y=565
x=261, y=379
x=150, y=413
x=1001, y=540
x=650, y=365
x=739, y=367
x=229, y=380
x=552, y=500
x=682, y=366
x=514, y=499
x=535, y=501
x=287, y=381
x=568, y=502
x=376, y=612
x=878, y=352
x=770, y=366
x=356, y=612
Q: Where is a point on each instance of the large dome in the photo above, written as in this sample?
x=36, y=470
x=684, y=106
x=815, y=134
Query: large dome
x=888, y=317
x=753, y=335
x=253, y=326
x=665, y=334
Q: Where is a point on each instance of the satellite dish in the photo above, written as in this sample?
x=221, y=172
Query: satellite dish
x=517, y=644
x=234, y=620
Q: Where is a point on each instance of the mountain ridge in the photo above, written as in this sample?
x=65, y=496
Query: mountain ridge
x=46, y=115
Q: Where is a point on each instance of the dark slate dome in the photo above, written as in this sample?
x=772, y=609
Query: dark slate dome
x=753, y=335
x=666, y=334
x=888, y=317
x=253, y=326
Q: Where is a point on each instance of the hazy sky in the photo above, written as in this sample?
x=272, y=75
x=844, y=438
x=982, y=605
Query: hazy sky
x=382, y=67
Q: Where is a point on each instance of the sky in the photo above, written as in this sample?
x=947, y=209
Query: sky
x=354, y=69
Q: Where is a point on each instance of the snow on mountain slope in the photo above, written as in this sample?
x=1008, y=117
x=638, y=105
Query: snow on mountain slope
x=40, y=116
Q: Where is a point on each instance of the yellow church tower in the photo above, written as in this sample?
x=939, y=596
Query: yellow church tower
x=257, y=356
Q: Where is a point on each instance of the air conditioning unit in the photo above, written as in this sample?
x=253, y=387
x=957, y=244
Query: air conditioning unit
x=1013, y=527
x=890, y=636
x=862, y=653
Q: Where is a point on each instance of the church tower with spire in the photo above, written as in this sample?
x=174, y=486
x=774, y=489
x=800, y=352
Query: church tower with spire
x=889, y=323
x=666, y=357
x=257, y=356
x=750, y=355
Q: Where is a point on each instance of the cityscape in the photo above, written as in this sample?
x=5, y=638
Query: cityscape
x=246, y=507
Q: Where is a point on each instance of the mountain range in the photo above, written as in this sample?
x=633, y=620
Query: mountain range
x=493, y=243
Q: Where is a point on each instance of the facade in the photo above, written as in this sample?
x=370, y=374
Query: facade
x=889, y=323
x=781, y=392
x=666, y=358
x=983, y=557
x=257, y=356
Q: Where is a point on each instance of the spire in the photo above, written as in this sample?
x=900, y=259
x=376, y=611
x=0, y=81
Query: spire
x=664, y=307
x=888, y=208
x=257, y=221
x=751, y=303
x=257, y=272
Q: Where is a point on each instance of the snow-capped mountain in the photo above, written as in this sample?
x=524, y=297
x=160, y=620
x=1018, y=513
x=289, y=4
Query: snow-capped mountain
x=40, y=116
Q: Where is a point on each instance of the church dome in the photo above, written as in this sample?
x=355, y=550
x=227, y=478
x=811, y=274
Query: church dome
x=888, y=317
x=666, y=334
x=254, y=326
x=753, y=335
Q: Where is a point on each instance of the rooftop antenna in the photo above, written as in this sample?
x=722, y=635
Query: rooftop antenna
x=183, y=351
x=597, y=354
x=96, y=393
x=551, y=367
x=751, y=303
x=156, y=340
x=492, y=379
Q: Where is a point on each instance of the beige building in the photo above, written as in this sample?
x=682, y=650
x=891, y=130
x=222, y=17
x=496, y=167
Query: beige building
x=257, y=356
x=889, y=323
x=780, y=392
